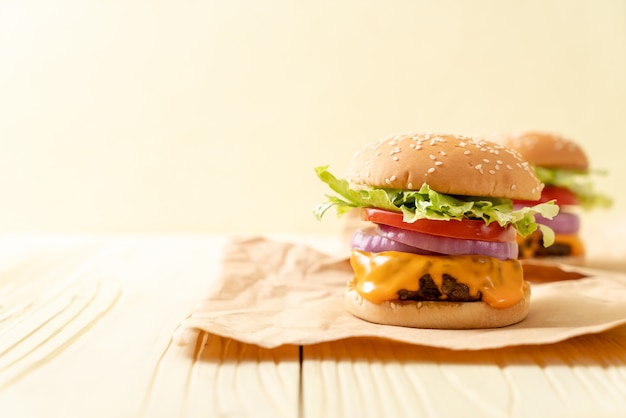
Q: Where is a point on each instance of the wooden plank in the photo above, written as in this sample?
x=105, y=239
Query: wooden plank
x=584, y=376
x=86, y=327
x=221, y=377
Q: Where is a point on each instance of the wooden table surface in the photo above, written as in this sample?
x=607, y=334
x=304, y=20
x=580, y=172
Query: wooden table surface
x=87, y=323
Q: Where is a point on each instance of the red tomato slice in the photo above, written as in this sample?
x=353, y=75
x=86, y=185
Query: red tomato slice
x=464, y=229
x=562, y=196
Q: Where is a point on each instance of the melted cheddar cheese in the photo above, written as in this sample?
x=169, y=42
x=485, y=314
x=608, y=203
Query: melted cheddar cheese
x=564, y=245
x=379, y=276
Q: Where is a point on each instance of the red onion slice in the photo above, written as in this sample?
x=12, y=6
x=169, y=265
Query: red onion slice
x=562, y=223
x=371, y=241
x=452, y=246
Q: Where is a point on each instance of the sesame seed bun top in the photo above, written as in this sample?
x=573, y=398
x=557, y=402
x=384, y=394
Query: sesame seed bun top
x=450, y=164
x=547, y=149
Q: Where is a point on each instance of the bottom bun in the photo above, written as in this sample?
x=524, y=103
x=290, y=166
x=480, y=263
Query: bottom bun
x=437, y=315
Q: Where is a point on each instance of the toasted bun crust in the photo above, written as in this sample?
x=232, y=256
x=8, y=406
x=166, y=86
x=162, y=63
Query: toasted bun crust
x=547, y=149
x=450, y=164
x=437, y=315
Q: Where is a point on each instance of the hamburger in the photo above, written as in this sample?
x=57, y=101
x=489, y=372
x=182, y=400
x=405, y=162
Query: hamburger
x=563, y=167
x=440, y=250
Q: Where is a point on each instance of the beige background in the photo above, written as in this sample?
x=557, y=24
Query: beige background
x=210, y=116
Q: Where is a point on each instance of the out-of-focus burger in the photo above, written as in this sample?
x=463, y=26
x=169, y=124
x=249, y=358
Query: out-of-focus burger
x=562, y=165
x=441, y=251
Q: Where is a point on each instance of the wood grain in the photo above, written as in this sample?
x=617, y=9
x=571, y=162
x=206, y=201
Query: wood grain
x=584, y=376
x=222, y=377
x=86, y=328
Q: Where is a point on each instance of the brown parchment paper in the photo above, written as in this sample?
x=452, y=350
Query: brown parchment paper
x=271, y=293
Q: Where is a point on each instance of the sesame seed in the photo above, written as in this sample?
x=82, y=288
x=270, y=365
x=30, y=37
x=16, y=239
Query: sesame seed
x=492, y=171
x=438, y=163
x=497, y=167
x=485, y=160
x=479, y=167
x=509, y=167
x=498, y=162
x=432, y=157
x=442, y=152
x=513, y=187
x=462, y=144
x=418, y=147
x=387, y=181
x=467, y=152
x=393, y=178
x=410, y=185
x=431, y=169
x=396, y=158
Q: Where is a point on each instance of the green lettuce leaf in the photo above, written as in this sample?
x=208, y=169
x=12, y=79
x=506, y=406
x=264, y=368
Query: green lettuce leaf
x=578, y=182
x=429, y=204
